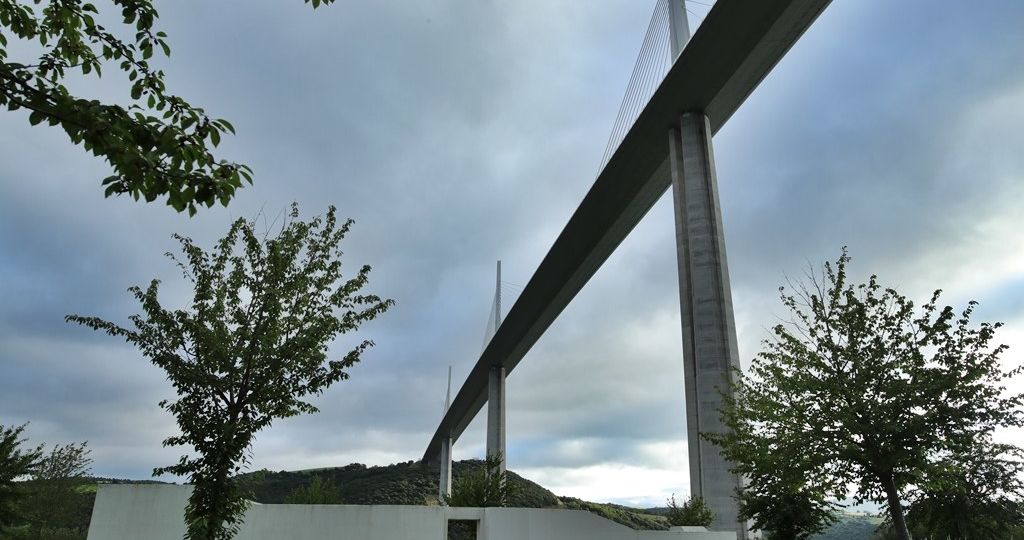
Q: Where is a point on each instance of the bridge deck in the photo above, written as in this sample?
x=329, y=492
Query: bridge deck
x=732, y=51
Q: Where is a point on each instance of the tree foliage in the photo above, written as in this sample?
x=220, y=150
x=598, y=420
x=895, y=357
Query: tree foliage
x=40, y=492
x=159, y=145
x=252, y=348
x=17, y=461
x=482, y=487
x=693, y=512
x=53, y=499
x=970, y=497
x=785, y=493
x=862, y=388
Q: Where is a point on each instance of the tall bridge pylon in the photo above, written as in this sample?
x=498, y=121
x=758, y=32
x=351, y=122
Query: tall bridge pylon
x=710, y=350
x=495, y=401
x=661, y=139
x=496, y=392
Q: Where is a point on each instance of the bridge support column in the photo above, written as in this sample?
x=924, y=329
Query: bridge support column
x=445, y=484
x=496, y=414
x=710, y=352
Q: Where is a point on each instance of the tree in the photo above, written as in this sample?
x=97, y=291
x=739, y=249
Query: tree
x=318, y=491
x=693, y=512
x=482, y=487
x=783, y=495
x=974, y=496
x=786, y=515
x=54, y=498
x=879, y=392
x=159, y=145
x=251, y=349
x=16, y=462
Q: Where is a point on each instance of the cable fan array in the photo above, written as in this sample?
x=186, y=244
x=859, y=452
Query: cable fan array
x=652, y=64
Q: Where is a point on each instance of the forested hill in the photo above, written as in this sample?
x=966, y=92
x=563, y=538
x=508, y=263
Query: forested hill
x=402, y=483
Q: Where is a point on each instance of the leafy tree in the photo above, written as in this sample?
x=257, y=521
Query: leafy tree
x=54, y=498
x=977, y=496
x=16, y=462
x=784, y=499
x=879, y=392
x=252, y=347
x=692, y=512
x=482, y=487
x=783, y=495
x=318, y=491
x=160, y=145
x=974, y=496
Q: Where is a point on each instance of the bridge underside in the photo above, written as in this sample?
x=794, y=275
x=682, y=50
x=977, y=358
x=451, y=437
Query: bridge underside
x=732, y=51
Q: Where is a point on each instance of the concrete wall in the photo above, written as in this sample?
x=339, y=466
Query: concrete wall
x=552, y=524
x=138, y=511
x=154, y=512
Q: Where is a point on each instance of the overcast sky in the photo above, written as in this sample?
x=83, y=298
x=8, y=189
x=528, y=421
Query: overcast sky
x=456, y=133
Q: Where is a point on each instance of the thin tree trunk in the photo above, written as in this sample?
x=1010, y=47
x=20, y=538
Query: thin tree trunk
x=899, y=521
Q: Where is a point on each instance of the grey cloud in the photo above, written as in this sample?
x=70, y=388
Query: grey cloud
x=456, y=134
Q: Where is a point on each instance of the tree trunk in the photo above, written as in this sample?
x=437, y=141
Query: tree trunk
x=899, y=521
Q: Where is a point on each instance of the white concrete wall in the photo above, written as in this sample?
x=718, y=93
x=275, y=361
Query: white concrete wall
x=342, y=522
x=154, y=512
x=138, y=511
x=552, y=524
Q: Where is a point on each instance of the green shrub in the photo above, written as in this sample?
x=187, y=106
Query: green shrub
x=482, y=487
x=693, y=512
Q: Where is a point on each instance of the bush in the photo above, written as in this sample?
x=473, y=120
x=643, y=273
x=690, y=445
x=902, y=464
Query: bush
x=693, y=512
x=482, y=487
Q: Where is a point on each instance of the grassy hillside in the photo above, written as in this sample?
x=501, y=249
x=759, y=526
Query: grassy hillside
x=631, y=517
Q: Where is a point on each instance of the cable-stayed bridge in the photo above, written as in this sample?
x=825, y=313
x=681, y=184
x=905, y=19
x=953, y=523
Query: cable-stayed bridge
x=683, y=89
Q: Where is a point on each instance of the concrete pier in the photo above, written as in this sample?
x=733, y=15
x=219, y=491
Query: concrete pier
x=496, y=392
x=444, y=486
x=496, y=414
x=710, y=353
